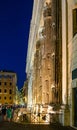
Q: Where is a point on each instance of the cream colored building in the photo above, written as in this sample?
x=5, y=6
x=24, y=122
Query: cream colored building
x=69, y=61
x=52, y=57
x=8, y=82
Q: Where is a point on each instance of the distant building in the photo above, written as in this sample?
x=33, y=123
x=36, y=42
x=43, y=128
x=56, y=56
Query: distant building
x=8, y=82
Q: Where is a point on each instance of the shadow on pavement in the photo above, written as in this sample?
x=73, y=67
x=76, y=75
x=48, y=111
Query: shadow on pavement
x=18, y=126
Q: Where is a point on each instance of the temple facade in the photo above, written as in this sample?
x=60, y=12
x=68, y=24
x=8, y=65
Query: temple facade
x=44, y=57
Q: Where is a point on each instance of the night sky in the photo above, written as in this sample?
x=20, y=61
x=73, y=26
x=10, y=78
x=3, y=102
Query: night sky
x=15, y=17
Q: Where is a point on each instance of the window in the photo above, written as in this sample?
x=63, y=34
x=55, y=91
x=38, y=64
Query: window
x=0, y=83
x=5, y=83
x=5, y=98
x=5, y=90
x=10, y=83
x=0, y=90
x=74, y=74
x=10, y=98
x=10, y=91
x=74, y=21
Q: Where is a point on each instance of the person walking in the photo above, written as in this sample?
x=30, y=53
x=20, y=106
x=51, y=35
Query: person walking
x=0, y=113
x=9, y=113
x=3, y=112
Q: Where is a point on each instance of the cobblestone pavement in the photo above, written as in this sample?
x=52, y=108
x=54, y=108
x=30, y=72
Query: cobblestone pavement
x=17, y=126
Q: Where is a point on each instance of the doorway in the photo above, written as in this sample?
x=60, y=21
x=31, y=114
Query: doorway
x=75, y=107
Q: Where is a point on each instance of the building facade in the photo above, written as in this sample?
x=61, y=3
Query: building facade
x=52, y=57
x=44, y=57
x=69, y=61
x=8, y=82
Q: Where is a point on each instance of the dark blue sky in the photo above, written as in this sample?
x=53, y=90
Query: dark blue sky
x=15, y=16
